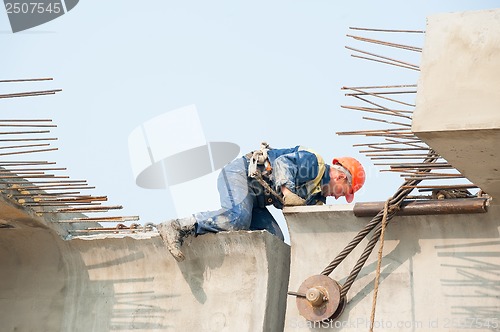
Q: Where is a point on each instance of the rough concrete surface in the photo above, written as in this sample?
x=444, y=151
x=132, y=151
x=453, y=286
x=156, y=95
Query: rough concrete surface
x=233, y=281
x=457, y=96
x=439, y=273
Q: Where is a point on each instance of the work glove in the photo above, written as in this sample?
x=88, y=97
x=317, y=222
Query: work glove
x=292, y=199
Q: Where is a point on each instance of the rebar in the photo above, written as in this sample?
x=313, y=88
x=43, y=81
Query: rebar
x=393, y=149
x=24, y=163
x=384, y=43
x=30, y=151
x=382, y=86
x=381, y=97
x=83, y=209
x=24, y=132
x=385, y=62
x=383, y=57
x=23, y=146
x=49, y=188
x=74, y=199
x=387, y=143
x=389, y=158
x=30, y=93
x=51, y=196
x=378, y=105
x=45, y=194
x=59, y=182
x=27, y=80
x=56, y=204
x=387, y=30
x=390, y=131
x=16, y=170
x=36, y=176
x=27, y=125
x=25, y=120
x=419, y=165
x=27, y=139
x=430, y=177
x=374, y=110
x=388, y=122
x=100, y=219
x=456, y=186
x=382, y=92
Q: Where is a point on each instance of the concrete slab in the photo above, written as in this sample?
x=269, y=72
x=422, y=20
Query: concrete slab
x=439, y=273
x=457, y=97
x=233, y=281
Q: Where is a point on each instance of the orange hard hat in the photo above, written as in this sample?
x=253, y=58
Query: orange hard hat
x=357, y=177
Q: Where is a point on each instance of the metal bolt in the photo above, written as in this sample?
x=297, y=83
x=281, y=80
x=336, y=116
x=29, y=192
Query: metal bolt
x=315, y=296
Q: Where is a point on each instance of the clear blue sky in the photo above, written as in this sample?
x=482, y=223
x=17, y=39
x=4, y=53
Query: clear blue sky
x=260, y=70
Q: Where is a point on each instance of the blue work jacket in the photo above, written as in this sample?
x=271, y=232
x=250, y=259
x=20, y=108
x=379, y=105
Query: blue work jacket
x=295, y=168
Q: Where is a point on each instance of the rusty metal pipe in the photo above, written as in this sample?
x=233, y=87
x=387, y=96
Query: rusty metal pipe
x=427, y=207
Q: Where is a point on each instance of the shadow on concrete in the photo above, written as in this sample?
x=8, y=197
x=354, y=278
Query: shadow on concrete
x=405, y=250
x=200, y=259
x=477, y=274
x=476, y=266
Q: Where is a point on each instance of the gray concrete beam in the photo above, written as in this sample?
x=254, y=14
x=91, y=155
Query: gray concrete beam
x=439, y=273
x=233, y=281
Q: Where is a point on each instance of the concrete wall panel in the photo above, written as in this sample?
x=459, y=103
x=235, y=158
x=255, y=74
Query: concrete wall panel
x=229, y=282
x=457, y=105
x=458, y=85
x=439, y=273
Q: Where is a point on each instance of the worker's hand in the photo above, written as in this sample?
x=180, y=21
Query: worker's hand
x=292, y=199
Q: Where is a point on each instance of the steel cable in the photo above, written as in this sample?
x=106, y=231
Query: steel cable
x=401, y=193
x=393, y=206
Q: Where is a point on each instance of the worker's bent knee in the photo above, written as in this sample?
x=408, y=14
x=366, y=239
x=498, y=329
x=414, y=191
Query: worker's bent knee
x=222, y=222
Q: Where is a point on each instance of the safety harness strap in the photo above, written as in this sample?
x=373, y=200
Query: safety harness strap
x=260, y=167
x=259, y=157
x=314, y=186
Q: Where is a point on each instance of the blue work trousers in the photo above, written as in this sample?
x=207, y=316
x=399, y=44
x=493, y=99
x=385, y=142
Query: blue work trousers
x=239, y=207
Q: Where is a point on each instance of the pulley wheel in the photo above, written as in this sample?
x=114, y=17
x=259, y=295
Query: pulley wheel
x=340, y=309
x=320, y=299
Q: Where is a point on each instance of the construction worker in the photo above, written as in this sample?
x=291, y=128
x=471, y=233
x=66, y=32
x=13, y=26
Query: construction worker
x=282, y=177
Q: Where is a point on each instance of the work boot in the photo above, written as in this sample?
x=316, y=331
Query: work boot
x=173, y=233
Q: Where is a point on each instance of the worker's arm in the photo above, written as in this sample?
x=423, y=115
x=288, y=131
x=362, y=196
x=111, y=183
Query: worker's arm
x=294, y=169
x=290, y=198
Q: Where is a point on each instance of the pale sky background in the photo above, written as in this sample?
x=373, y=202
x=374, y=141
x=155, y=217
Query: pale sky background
x=260, y=70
